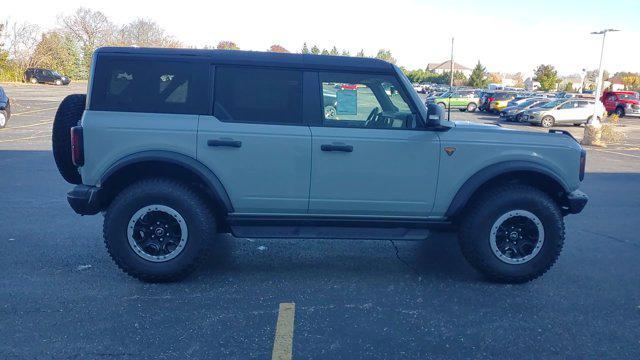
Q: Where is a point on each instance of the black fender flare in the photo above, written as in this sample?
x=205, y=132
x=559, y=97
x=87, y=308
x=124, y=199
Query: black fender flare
x=189, y=163
x=490, y=172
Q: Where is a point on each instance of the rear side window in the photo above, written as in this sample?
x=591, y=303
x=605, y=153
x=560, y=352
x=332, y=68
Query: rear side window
x=257, y=95
x=150, y=85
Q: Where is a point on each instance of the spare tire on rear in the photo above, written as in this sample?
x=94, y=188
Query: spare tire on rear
x=68, y=115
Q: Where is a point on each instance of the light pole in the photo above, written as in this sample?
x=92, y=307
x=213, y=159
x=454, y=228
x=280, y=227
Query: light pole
x=593, y=131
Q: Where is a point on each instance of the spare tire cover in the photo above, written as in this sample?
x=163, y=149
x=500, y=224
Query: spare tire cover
x=68, y=115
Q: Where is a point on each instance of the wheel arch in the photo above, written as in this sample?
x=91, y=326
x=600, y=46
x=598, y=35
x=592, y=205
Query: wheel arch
x=166, y=164
x=526, y=172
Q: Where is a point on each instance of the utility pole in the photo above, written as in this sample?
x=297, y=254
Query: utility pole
x=593, y=129
x=450, y=84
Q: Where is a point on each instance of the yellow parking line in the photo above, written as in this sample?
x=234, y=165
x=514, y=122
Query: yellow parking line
x=33, y=111
x=30, y=125
x=25, y=138
x=283, y=343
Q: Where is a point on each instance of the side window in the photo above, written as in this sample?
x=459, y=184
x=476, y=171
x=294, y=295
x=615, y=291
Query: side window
x=257, y=95
x=153, y=85
x=567, y=105
x=365, y=101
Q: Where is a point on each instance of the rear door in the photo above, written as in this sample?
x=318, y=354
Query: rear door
x=256, y=141
x=371, y=158
x=567, y=112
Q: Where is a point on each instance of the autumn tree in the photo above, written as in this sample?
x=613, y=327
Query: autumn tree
x=334, y=51
x=494, y=78
x=227, y=45
x=145, y=33
x=360, y=53
x=57, y=51
x=547, y=76
x=91, y=29
x=315, y=50
x=305, y=49
x=277, y=48
x=345, y=53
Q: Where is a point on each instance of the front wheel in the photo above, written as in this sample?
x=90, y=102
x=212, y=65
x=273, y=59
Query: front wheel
x=547, y=122
x=442, y=105
x=33, y=80
x=58, y=82
x=157, y=230
x=3, y=118
x=512, y=233
x=620, y=112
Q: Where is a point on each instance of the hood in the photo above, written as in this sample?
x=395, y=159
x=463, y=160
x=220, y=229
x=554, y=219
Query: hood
x=488, y=133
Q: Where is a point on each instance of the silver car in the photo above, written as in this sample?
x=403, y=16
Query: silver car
x=562, y=111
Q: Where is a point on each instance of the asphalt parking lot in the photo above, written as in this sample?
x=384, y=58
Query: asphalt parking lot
x=62, y=297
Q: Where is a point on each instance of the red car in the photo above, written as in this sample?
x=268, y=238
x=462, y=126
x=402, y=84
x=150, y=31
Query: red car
x=348, y=87
x=622, y=103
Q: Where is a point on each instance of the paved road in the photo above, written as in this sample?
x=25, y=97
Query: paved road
x=61, y=296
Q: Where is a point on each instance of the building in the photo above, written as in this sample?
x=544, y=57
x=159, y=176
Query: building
x=445, y=67
x=615, y=83
x=575, y=81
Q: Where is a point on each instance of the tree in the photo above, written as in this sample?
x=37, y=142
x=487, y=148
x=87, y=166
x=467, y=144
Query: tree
x=91, y=29
x=547, y=76
x=305, y=49
x=360, y=53
x=631, y=81
x=494, y=78
x=478, y=77
x=334, y=51
x=519, y=80
x=384, y=54
x=325, y=52
x=345, y=53
x=58, y=51
x=227, y=45
x=145, y=33
x=315, y=50
x=22, y=39
x=459, y=78
x=277, y=48
x=568, y=87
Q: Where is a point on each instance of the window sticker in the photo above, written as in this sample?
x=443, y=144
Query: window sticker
x=347, y=102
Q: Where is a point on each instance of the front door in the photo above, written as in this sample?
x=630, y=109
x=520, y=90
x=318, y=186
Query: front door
x=256, y=142
x=371, y=158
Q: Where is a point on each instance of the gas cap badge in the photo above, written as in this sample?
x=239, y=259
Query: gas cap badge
x=449, y=150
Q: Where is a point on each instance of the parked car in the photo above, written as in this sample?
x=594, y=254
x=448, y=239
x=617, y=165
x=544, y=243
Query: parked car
x=500, y=101
x=215, y=153
x=621, y=103
x=5, y=108
x=515, y=112
x=45, y=76
x=464, y=100
x=563, y=111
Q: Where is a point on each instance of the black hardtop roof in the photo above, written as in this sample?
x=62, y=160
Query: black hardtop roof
x=259, y=58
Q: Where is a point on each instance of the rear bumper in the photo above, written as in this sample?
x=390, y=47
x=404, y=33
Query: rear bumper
x=576, y=201
x=85, y=200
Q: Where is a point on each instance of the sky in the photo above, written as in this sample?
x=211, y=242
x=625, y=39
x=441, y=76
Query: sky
x=505, y=36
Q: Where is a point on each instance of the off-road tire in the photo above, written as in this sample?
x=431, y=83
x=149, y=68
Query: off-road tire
x=68, y=115
x=482, y=213
x=547, y=122
x=198, y=217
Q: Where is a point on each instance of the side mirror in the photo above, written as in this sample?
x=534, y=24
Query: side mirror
x=435, y=115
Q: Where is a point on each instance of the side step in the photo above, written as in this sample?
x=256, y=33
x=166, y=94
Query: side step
x=332, y=228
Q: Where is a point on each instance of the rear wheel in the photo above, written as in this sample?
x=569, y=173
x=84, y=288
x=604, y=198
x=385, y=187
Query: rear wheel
x=547, y=121
x=442, y=105
x=33, y=80
x=472, y=107
x=512, y=233
x=157, y=230
x=58, y=82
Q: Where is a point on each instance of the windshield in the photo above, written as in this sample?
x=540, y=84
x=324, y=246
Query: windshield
x=629, y=96
x=552, y=104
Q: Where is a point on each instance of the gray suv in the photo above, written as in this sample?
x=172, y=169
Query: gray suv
x=175, y=146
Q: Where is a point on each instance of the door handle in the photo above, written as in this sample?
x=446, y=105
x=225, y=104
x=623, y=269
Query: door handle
x=333, y=147
x=225, y=142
